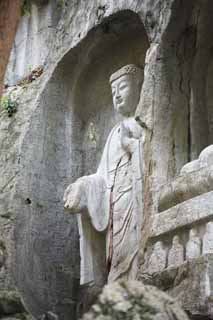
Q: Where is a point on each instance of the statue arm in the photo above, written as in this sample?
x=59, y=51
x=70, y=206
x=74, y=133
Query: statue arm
x=89, y=196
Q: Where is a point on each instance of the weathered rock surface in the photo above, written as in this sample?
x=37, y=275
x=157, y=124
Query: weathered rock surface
x=10, y=12
x=190, y=284
x=64, y=117
x=132, y=300
x=188, y=277
x=33, y=38
x=193, y=247
x=176, y=252
x=52, y=140
x=157, y=261
x=195, y=179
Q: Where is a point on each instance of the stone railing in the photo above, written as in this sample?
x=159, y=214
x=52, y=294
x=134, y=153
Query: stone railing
x=179, y=255
x=180, y=233
x=196, y=178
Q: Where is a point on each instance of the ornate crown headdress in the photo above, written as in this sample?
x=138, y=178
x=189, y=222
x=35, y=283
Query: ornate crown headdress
x=128, y=69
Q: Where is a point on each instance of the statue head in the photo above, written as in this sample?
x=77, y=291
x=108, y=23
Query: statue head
x=126, y=86
x=192, y=233
x=209, y=226
x=176, y=240
x=158, y=245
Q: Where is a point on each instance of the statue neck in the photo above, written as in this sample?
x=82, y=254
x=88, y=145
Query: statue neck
x=128, y=116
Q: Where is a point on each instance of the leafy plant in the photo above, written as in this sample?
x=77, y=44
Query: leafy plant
x=25, y=8
x=8, y=104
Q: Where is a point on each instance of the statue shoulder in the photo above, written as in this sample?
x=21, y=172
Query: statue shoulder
x=114, y=131
x=133, y=127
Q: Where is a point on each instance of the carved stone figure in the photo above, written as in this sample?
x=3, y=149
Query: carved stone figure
x=176, y=253
x=157, y=261
x=208, y=238
x=110, y=201
x=193, y=247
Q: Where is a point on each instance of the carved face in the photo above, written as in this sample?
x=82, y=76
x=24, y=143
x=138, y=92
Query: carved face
x=193, y=233
x=125, y=94
x=175, y=240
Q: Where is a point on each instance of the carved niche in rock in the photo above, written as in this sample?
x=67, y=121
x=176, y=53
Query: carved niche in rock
x=110, y=201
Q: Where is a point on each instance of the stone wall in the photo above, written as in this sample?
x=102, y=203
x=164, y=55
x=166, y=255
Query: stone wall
x=63, y=119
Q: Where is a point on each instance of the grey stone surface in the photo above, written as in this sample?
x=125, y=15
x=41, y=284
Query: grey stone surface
x=205, y=159
x=176, y=253
x=193, y=246
x=133, y=300
x=195, y=179
x=53, y=120
x=157, y=260
x=208, y=238
x=190, y=167
x=70, y=106
x=184, y=214
x=185, y=187
x=190, y=284
x=33, y=38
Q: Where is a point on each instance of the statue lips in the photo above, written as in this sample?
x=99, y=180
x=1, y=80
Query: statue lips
x=119, y=103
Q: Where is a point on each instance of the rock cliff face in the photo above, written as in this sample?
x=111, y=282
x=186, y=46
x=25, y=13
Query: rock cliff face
x=64, y=116
x=9, y=17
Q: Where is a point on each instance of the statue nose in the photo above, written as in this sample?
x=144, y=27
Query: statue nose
x=118, y=96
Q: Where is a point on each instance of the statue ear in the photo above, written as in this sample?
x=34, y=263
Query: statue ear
x=98, y=202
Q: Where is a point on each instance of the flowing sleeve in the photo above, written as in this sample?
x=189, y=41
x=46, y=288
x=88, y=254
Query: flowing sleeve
x=98, y=202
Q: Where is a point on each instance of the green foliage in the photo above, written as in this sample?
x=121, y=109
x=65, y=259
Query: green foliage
x=8, y=104
x=4, y=102
x=61, y=3
x=25, y=8
x=30, y=68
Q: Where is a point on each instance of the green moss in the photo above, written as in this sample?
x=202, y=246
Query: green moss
x=25, y=8
x=10, y=303
x=62, y=3
x=8, y=104
x=22, y=316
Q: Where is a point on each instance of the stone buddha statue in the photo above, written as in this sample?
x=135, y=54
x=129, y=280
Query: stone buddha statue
x=109, y=202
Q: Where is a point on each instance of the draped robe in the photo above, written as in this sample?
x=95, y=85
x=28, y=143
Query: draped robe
x=115, y=192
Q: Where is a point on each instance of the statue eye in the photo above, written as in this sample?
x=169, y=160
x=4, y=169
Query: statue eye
x=123, y=86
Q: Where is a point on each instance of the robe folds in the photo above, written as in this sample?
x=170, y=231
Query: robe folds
x=110, y=230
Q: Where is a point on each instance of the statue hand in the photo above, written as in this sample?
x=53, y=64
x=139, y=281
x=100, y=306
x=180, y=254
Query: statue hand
x=127, y=141
x=75, y=196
